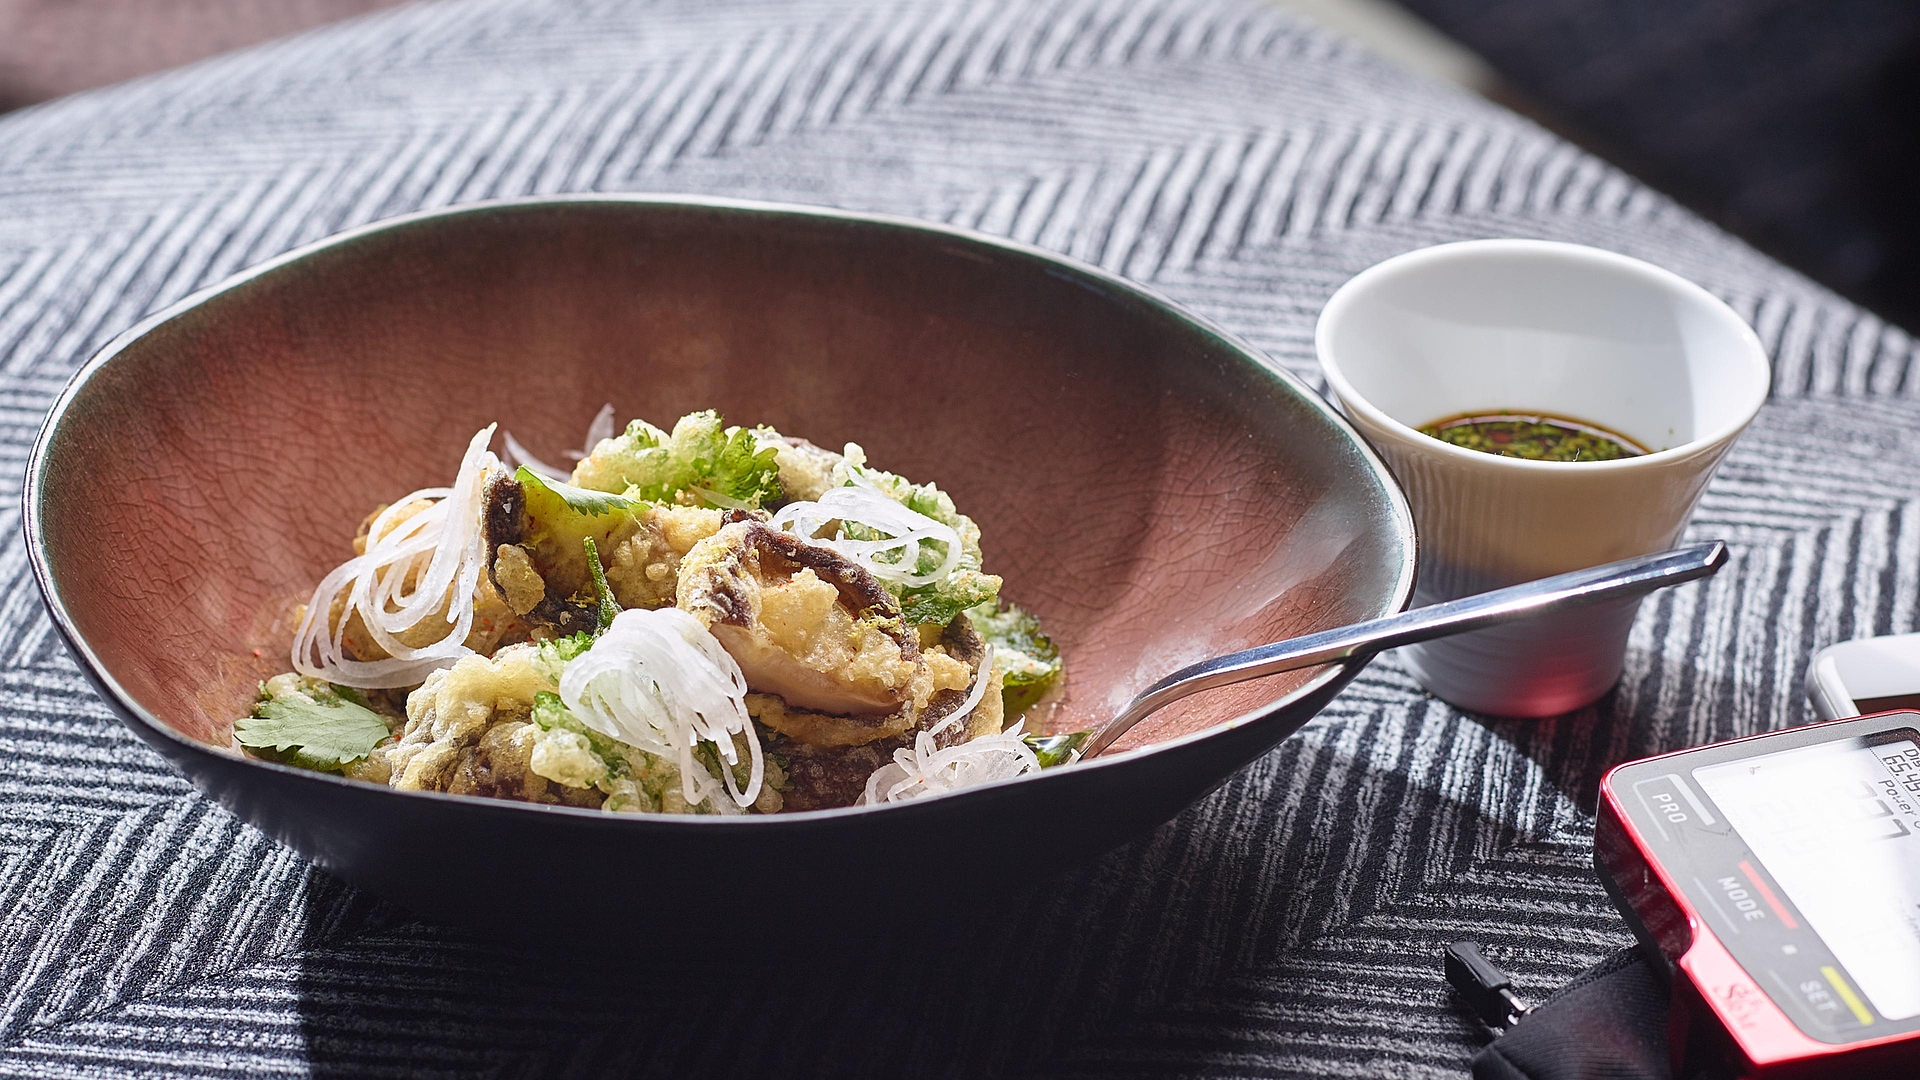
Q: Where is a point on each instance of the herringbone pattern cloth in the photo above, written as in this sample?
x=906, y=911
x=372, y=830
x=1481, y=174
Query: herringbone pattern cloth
x=1239, y=162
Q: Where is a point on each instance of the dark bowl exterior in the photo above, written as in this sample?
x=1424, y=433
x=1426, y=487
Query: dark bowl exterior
x=494, y=866
x=1144, y=482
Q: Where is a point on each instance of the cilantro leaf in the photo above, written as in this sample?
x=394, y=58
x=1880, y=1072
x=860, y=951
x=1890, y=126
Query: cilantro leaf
x=313, y=734
x=1028, y=659
x=578, y=500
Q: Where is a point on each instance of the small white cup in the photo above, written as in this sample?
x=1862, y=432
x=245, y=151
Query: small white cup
x=1530, y=326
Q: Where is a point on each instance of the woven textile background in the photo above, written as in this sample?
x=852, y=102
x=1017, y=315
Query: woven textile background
x=1237, y=161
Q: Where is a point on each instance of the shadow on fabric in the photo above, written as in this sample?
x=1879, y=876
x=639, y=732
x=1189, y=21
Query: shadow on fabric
x=1575, y=750
x=1055, y=979
x=383, y=992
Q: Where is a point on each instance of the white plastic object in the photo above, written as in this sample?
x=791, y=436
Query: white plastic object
x=1867, y=675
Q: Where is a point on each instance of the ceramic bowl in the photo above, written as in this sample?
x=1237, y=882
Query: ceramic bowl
x=1146, y=484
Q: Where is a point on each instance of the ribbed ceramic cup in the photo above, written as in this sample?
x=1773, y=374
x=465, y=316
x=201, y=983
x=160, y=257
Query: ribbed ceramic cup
x=1529, y=326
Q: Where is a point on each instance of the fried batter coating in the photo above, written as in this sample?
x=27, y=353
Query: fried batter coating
x=804, y=622
x=828, y=730
x=519, y=581
x=468, y=732
x=828, y=758
x=806, y=470
x=644, y=569
x=540, y=560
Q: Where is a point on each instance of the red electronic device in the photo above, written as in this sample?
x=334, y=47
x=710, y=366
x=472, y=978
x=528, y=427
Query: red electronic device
x=1779, y=878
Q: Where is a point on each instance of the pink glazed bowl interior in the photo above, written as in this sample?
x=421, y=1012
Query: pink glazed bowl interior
x=1152, y=493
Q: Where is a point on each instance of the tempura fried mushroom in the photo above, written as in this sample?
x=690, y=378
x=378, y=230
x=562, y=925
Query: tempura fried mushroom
x=828, y=765
x=501, y=766
x=804, y=622
x=953, y=659
x=824, y=778
x=961, y=641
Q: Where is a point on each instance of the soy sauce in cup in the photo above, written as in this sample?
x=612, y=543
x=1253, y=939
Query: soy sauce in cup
x=1533, y=436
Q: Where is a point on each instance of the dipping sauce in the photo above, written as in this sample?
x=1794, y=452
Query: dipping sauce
x=1534, y=436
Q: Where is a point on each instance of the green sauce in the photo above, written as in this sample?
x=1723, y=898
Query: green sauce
x=1534, y=437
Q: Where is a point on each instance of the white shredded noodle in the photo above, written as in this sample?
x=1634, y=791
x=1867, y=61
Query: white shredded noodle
x=975, y=693
x=520, y=455
x=659, y=681
x=601, y=428
x=516, y=454
x=414, y=568
x=865, y=505
x=926, y=770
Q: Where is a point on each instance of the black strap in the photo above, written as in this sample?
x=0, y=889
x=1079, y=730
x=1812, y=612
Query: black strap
x=1609, y=1023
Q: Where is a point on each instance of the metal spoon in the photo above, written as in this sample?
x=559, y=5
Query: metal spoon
x=1628, y=577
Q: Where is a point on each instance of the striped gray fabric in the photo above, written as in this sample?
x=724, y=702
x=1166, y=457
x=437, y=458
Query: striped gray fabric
x=1238, y=161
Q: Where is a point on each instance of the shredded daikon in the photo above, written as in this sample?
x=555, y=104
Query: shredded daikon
x=415, y=567
x=520, y=455
x=659, y=681
x=600, y=428
x=927, y=770
x=975, y=694
x=865, y=505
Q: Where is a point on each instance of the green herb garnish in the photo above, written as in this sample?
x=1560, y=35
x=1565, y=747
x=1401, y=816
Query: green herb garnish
x=1028, y=660
x=723, y=466
x=313, y=734
x=939, y=602
x=560, y=650
x=966, y=587
x=579, y=500
x=602, y=592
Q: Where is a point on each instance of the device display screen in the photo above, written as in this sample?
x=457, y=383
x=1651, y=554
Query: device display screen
x=1838, y=827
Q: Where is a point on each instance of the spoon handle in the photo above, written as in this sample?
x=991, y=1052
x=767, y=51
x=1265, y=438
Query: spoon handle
x=1629, y=577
